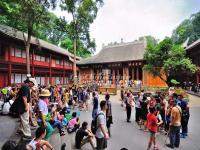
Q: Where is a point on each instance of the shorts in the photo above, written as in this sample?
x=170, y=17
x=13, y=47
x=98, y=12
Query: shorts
x=101, y=143
x=152, y=134
x=109, y=122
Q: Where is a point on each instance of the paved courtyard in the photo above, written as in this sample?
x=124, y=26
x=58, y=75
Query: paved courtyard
x=128, y=135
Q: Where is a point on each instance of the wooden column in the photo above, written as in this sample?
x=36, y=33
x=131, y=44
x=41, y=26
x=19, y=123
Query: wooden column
x=97, y=77
x=32, y=63
x=45, y=80
x=113, y=76
x=124, y=74
x=118, y=75
x=63, y=77
x=9, y=66
x=50, y=70
x=133, y=78
x=127, y=74
x=137, y=72
x=197, y=78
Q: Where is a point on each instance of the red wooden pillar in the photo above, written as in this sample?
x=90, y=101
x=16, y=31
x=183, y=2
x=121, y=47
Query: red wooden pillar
x=197, y=78
x=9, y=66
x=137, y=72
x=113, y=76
x=45, y=80
x=63, y=80
x=133, y=78
x=50, y=70
x=33, y=67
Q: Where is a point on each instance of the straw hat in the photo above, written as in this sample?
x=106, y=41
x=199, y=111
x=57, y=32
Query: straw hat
x=45, y=93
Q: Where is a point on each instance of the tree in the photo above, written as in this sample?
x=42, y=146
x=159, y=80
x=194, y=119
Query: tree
x=83, y=13
x=167, y=59
x=189, y=28
x=51, y=32
x=26, y=15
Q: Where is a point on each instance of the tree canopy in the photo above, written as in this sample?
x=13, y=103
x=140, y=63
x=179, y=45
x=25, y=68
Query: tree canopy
x=47, y=26
x=167, y=59
x=189, y=28
x=26, y=15
x=83, y=14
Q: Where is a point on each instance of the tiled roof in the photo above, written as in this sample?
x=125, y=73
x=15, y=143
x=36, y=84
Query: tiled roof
x=197, y=42
x=122, y=52
x=13, y=33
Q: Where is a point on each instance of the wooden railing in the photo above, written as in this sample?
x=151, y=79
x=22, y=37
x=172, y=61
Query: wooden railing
x=109, y=90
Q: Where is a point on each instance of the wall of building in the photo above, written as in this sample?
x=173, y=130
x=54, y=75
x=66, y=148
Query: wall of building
x=46, y=67
x=150, y=81
x=85, y=75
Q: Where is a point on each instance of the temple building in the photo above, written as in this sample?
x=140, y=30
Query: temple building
x=50, y=64
x=119, y=62
x=193, y=52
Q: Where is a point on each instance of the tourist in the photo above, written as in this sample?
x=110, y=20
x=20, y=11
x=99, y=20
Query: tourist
x=42, y=111
x=109, y=119
x=74, y=123
x=87, y=99
x=129, y=105
x=101, y=133
x=38, y=143
x=137, y=108
x=24, y=97
x=34, y=97
x=56, y=120
x=185, y=116
x=66, y=96
x=152, y=123
x=95, y=105
x=175, y=124
x=81, y=133
x=144, y=112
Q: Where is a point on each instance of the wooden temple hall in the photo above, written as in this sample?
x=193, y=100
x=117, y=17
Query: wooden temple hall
x=117, y=64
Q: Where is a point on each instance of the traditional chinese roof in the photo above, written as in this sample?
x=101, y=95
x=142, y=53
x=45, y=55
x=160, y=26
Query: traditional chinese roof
x=16, y=34
x=194, y=44
x=123, y=52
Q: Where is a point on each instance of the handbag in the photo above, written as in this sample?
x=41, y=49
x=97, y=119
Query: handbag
x=17, y=107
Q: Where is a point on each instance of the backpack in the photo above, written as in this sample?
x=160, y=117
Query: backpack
x=185, y=116
x=6, y=107
x=94, y=123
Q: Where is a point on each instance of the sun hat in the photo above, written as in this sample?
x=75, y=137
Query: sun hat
x=45, y=93
x=33, y=80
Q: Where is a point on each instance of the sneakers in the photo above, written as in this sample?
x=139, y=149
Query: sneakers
x=170, y=146
x=155, y=148
x=62, y=133
x=182, y=136
x=25, y=137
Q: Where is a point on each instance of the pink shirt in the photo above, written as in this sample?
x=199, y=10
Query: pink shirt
x=72, y=122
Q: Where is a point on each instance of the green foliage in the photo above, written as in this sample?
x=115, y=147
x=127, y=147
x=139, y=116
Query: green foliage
x=68, y=44
x=168, y=57
x=83, y=14
x=189, y=28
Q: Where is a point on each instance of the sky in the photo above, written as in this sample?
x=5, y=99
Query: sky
x=131, y=19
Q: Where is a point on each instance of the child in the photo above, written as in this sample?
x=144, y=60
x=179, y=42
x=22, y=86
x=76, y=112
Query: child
x=73, y=124
x=152, y=123
x=38, y=142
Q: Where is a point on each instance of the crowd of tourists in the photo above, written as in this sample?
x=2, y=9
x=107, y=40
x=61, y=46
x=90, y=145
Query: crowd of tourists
x=166, y=113
x=56, y=109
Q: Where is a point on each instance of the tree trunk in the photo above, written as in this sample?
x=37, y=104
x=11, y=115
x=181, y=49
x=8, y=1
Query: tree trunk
x=28, y=57
x=74, y=66
x=27, y=47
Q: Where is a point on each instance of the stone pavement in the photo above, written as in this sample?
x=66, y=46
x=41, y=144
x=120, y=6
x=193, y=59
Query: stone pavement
x=8, y=128
x=128, y=135
x=123, y=134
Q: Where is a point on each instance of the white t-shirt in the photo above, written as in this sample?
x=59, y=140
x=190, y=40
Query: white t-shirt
x=101, y=119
